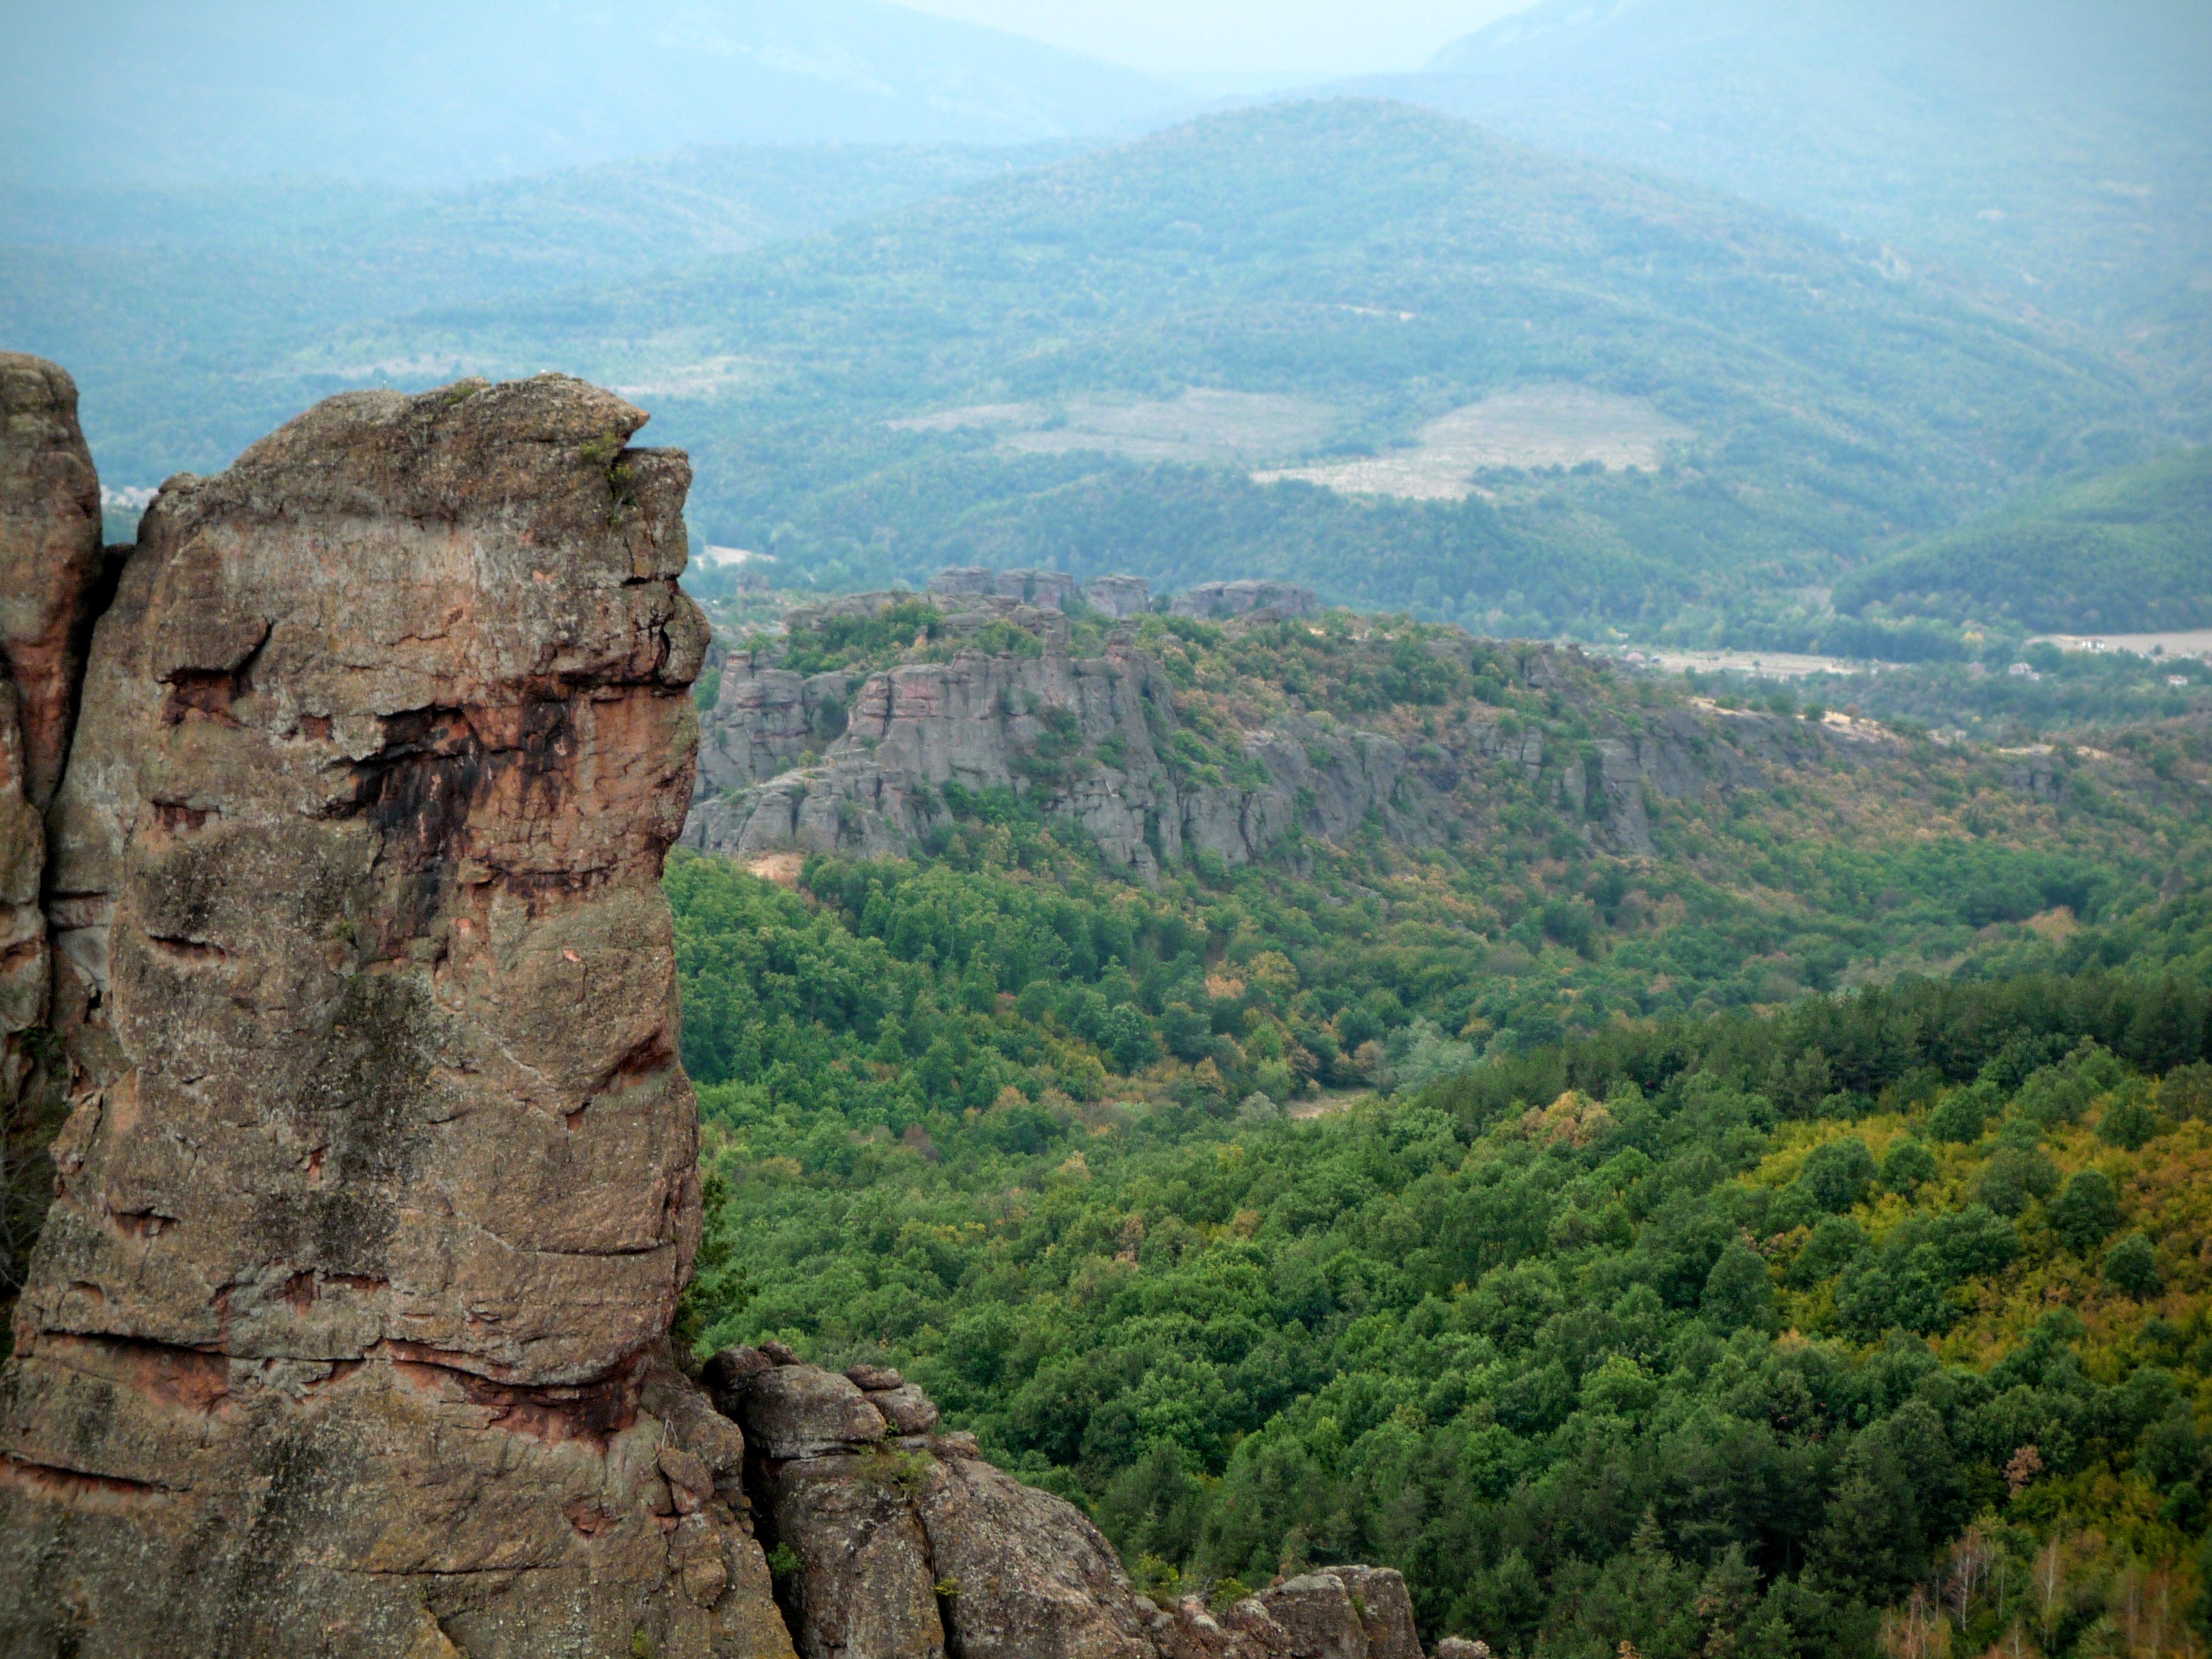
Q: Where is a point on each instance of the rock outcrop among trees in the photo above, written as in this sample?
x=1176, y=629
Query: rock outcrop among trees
x=896, y=1542
x=869, y=763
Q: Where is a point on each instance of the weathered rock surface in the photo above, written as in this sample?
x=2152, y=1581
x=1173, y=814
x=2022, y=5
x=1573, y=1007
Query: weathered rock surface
x=1047, y=589
x=1242, y=598
x=911, y=1547
x=346, y=1333
x=1094, y=741
x=49, y=573
x=765, y=718
x=980, y=722
x=50, y=558
x=1120, y=596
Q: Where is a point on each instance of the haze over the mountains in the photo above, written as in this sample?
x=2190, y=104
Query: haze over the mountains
x=1780, y=288
x=414, y=93
x=2056, y=150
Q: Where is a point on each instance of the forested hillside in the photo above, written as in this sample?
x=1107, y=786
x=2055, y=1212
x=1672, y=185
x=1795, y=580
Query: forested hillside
x=1543, y=1221
x=1777, y=1336
x=179, y=306
x=2128, y=551
x=2051, y=151
x=1360, y=276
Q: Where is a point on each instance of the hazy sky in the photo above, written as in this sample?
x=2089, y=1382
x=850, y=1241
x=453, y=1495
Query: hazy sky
x=1239, y=37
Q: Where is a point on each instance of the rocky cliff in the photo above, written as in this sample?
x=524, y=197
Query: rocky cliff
x=348, y=1330
x=869, y=765
x=50, y=576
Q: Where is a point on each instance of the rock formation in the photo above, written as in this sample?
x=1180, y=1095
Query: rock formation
x=49, y=573
x=899, y=1543
x=50, y=559
x=1245, y=599
x=1119, y=596
x=980, y=722
x=347, y=1331
x=1115, y=597
x=838, y=763
x=1047, y=590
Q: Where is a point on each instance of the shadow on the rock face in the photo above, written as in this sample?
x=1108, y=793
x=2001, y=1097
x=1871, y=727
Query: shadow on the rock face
x=894, y=1541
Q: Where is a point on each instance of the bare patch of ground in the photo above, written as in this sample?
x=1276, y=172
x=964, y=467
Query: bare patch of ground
x=2186, y=642
x=782, y=868
x=1760, y=665
x=1203, y=426
x=1554, y=425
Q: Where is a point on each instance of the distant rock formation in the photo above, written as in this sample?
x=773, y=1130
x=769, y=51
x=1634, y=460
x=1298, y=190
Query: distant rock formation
x=904, y=1544
x=347, y=1332
x=861, y=765
x=1120, y=596
x=980, y=722
x=1245, y=599
x=1048, y=590
x=1115, y=597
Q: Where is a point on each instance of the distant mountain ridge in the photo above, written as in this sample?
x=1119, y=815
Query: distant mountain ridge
x=417, y=93
x=174, y=301
x=1352, y=272
x=2055, y=151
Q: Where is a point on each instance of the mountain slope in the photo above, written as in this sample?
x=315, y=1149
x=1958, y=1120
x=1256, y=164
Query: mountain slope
x=174, y=303
x=2055, y=151
x=2130, y=552
x=420, y=94
x=1377, y=272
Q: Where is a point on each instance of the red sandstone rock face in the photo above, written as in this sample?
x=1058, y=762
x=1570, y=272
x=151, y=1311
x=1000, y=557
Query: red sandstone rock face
x=379, y=1188
x=49, y=556
x=49, y=564
x=347, y=1333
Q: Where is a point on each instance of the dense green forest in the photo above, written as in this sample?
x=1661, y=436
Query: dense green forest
x=1783, y=1243
x=1735, y=1329
x=2128, y=551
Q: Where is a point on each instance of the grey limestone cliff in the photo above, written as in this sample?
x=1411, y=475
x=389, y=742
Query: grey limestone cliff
x=867, y=765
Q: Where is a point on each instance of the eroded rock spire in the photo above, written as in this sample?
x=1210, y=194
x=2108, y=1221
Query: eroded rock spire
x=346, y=1332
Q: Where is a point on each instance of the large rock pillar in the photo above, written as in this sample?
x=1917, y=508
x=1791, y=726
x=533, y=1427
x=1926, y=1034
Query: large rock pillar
x=50, y=567
x=347, y=1331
